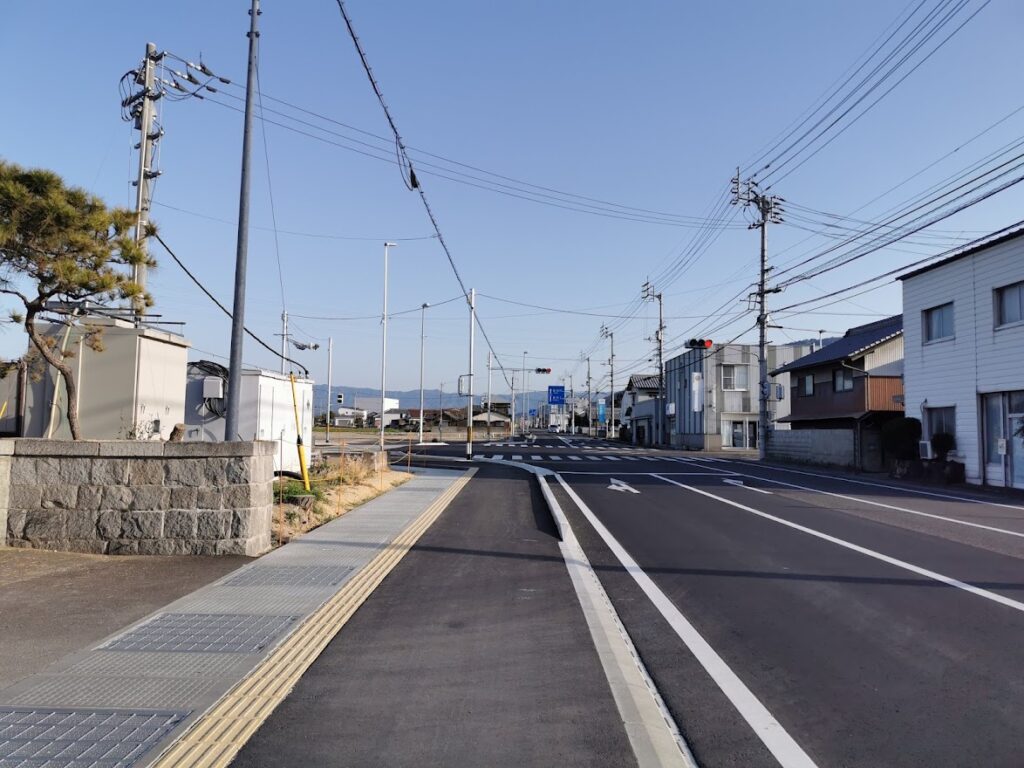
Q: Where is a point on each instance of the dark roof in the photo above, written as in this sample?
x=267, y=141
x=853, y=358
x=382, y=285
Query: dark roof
x=643, y=381
x=970, y=249
x=855, y=342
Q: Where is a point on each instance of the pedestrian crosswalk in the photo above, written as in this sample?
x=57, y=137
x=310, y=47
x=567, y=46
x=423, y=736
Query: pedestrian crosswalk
x=605, y=457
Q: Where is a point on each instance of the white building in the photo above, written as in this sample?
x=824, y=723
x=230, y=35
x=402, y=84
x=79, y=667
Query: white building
x=964, y=355
x=712, y=395
x=347, y=416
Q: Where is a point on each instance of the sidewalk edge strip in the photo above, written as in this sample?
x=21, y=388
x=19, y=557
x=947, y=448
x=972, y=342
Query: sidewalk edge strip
x=653, y=734
x=216, y=736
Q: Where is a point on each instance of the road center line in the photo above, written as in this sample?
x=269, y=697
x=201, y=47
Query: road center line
x=948, y=580
x=768, y=729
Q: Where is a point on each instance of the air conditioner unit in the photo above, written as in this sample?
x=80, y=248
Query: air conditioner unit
x=924, y=448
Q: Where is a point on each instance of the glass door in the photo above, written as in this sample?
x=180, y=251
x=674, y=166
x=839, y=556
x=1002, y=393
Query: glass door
x=1015, y=439
x=737, y=434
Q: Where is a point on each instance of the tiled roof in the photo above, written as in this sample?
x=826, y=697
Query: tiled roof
x=856, y=341
x=643, y=381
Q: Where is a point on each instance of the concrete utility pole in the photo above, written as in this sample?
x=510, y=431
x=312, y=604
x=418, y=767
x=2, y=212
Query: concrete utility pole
x=472, y=342
x=512, y=419
x=284, y=341
x=526, y=396
x=330, y=379
x=590, y=403
x=572, y=406
x=423, y=321
x=659, y=335
x=610, y=335
x=384, y=345
x=148, y=137
x=488, y=394
x=242, y=250
x=770, y=209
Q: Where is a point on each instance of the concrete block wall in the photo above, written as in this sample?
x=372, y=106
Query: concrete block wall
x=137, y=497
x=829, y=447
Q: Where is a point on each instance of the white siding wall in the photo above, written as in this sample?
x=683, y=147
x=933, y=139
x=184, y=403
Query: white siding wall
x=980, y=358
x=886, y=359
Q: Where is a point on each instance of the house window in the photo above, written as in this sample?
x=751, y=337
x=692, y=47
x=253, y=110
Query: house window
x=938, y=322
x=941, y=420
x=842, y=380
x=734, y=377
x=806, y=386
x=1010, y=304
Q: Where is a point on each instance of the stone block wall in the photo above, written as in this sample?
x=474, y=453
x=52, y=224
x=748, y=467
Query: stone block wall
x=137, y=497
x=828, y=447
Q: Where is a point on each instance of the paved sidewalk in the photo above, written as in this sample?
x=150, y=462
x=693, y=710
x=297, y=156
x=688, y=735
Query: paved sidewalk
x=125, y=700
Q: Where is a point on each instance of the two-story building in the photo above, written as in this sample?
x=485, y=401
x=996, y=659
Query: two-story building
x=846, y=390
x=964, y=355
x=712, y=395
x=639, y=407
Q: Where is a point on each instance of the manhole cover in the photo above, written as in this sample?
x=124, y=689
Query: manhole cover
x=33, y=737
x=202, y=633
x=290, y=576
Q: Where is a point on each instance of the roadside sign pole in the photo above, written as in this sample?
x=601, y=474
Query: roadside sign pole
x=472, y=340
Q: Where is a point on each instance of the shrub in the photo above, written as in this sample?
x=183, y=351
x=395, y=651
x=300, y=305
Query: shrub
x=942, y=444
x=900, y=437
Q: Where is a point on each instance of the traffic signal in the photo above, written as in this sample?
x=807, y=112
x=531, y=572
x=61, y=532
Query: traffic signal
x=699, y=343
x=542, y=370
x=341, y=398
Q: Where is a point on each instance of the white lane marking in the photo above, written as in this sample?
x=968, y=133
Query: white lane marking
x=575, y=458
x=535, y=457
x=618, y=485
x=594, y=458
x=517, y=457
x=498, y=456
x=748, y=487
x=767, y=728
x=948, y=580
x=630, y=458
x=554, y=457
x=614, y=458
x=883, y=505
x=719, y=473
x=919, y=491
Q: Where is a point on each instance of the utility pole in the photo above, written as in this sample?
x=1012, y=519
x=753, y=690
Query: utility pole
x=148, y=137
x=423, y=321
x=526, y=396
x=440, y=413
x=284, y=340
x=769, y=207
x=488, y=394
x=330, y=378
x=590, y=403
x=659, y=335
x=384, y=346
x=512, y=419
x=610, y=335
x=572, y=406
x=472, y=341
x=242, y=250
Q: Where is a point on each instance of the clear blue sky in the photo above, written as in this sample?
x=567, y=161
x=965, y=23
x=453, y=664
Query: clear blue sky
x=649, y=104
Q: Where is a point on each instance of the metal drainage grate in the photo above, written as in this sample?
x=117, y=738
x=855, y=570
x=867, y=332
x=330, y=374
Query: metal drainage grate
x=82, y=738
x=290, y=576
x=202, y=633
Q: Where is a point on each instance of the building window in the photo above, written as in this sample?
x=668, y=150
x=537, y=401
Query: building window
x=806, y=386
x=1010, y=304
x=938, y=322
x=734, y=377
x=842, y=380
x=941, y=420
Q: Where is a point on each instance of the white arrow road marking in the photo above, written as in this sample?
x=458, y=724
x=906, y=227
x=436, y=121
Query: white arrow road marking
x=618, y=485
x=748, y=487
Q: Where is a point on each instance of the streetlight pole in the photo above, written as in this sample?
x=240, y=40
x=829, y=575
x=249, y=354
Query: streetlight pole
x=472, y=341
x=488, y=394
x=384, y=345
x=526, y=397
x=330, y=370
x=242, y=246
x=423, y=320
x=572, y=406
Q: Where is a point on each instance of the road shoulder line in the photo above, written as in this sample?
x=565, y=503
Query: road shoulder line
x=216, y=736
x=652, y=732
x=782, y=746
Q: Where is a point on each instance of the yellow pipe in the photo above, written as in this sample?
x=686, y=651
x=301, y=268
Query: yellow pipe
x=298, y=435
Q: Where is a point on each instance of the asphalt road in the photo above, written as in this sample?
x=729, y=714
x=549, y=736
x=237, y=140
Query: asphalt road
x=798, y=618
x=473, y=652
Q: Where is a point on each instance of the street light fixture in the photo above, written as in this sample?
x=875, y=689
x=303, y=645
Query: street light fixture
x=384, y=344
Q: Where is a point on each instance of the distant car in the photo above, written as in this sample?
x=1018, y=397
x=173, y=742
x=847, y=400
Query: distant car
x=554, y=428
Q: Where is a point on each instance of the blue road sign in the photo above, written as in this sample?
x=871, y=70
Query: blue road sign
x=556, y=395
x=600, y=412
x=533, y=411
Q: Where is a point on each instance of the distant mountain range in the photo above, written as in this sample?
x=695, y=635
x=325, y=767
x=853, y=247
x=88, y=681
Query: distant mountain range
x=409, y=398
